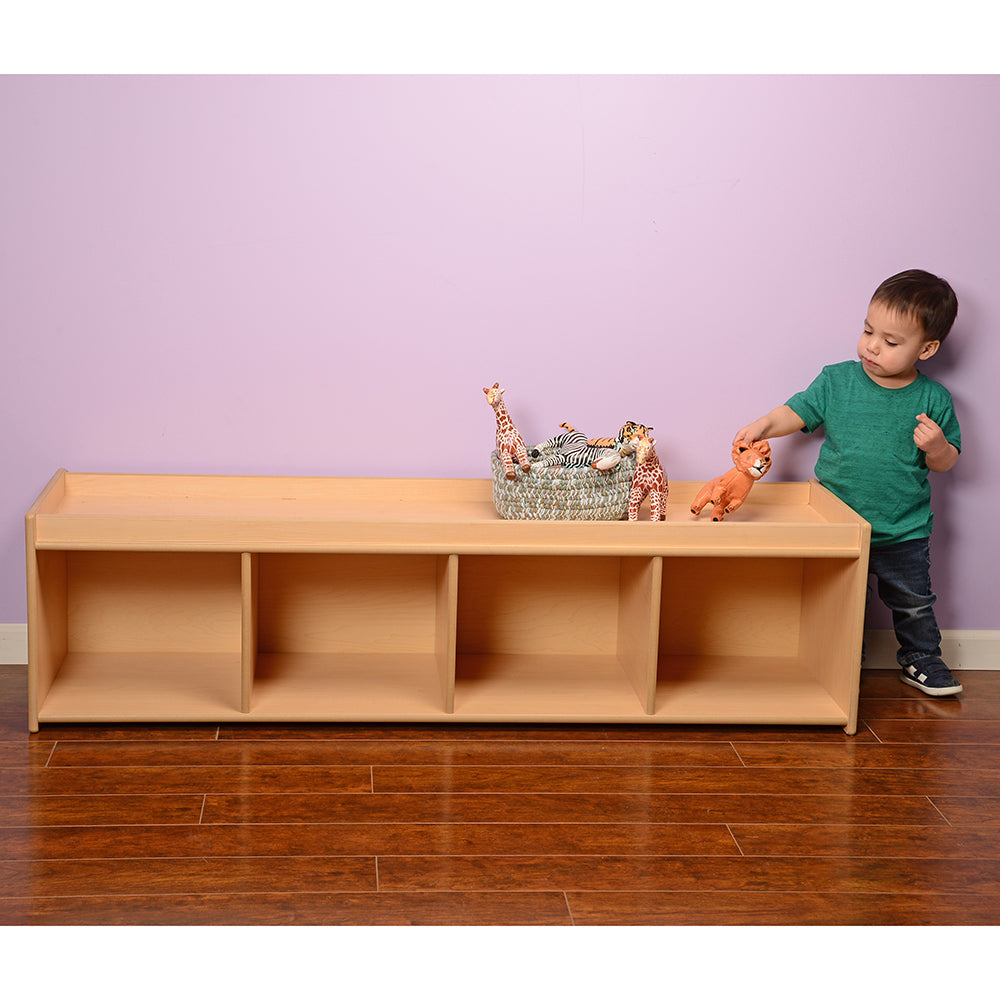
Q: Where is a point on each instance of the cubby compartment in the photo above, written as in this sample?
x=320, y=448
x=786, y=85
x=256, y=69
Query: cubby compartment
x=341, y=635
x=140, y=636
x=555, y=637
x=757, y=639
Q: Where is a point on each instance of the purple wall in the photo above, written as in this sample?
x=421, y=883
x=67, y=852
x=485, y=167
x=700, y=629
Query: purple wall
x=318, y=275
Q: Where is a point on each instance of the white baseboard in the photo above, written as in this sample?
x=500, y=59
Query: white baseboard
x=13, y=644
x=963, y=649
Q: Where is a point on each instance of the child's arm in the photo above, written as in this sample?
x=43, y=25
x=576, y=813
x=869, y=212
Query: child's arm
x=780, y=421
x=939, y=453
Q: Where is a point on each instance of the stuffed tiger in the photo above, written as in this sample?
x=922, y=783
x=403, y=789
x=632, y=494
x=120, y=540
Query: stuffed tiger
x=622, y=442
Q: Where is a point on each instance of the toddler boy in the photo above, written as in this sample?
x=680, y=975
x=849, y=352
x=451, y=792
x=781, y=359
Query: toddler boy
x=886, y=424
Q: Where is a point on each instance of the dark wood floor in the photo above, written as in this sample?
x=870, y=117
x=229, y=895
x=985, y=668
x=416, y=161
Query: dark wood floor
x=508, y=825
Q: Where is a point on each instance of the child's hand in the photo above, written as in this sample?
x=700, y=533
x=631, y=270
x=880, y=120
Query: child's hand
x=780, y=421
x=930, y=439
x=750, y=433
x=927, y=436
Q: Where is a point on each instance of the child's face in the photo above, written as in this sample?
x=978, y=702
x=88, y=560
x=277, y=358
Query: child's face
x=891, y=345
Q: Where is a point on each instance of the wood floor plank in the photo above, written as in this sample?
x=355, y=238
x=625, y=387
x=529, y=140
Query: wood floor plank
x=429, y=909
x=713, y=874
x=969, y=810
x=982, y=732
x=448, y=732
x=25, y=753
x=473, y=838
x=927, y=709
x=98, y=810
x=649, y=780
x=943, y=757
x=173, y=876
x=512, y=732
x=851, y=840
x=113, y=843
x=204, y=732
x=370, y=752
x=779, y=909
x=537, y=807
x=178, y=780
x=13, y=702
x=319, y=839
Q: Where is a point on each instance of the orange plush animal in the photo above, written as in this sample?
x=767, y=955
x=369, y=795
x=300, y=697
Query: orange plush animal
x=726, y=493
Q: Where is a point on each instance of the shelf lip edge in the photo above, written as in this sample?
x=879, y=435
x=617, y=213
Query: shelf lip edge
x=485, y=549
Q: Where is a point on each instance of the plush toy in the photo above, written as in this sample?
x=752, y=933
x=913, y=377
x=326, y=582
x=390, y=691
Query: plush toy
x=509, y=441
x=620, y=445
x=556, y=450
x=607, y=461
x=623, y=442
x=574, y=448
x=726, y=493
x=648, y=479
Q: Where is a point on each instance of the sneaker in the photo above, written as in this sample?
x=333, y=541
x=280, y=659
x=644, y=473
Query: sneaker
x=934, y=678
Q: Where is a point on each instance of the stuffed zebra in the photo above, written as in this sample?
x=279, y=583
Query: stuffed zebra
x=555, y=449
x=562, y=449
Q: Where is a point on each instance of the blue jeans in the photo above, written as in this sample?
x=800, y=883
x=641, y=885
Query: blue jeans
x=903, y=578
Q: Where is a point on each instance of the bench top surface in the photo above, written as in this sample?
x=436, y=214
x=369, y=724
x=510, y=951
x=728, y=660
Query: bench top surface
x=246, y=513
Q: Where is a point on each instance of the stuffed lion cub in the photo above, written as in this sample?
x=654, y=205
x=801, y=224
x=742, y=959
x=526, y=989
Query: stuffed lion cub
x=727, y=492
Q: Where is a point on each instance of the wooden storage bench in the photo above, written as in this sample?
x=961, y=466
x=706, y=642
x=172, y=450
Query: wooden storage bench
x=169, y=598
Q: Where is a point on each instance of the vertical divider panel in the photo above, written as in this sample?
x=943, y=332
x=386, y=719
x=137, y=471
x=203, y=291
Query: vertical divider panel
x=46, y=603
x=446, y=626
x=833, y=609
x=251, y=617
x=47, y=620
x=640, y=587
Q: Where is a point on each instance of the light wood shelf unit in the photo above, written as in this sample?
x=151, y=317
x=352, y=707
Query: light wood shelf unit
x=162, y=598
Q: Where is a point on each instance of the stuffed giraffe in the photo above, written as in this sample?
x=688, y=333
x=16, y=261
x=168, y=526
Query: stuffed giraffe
x=509, y=440
x=648, y=478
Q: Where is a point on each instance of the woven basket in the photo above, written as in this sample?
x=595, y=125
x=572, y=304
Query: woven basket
x=562, y=493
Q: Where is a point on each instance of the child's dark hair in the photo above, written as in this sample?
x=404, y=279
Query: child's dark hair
x=930, y=300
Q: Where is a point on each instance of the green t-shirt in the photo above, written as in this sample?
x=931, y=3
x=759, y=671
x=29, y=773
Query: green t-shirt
x=868, y=458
